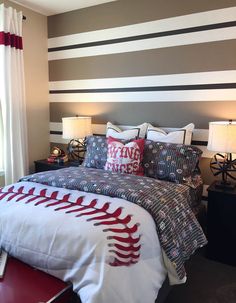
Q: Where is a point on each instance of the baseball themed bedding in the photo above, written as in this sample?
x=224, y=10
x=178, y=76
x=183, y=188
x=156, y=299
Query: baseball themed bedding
x=114, y=236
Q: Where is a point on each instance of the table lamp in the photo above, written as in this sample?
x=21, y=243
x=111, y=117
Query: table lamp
x=222, y=139
x=76, y=129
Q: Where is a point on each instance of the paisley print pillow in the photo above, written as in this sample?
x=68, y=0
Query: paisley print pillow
x=171, y=162
x=96, y=154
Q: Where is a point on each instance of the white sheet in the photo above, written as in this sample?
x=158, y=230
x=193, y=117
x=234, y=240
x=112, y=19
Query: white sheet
x=73, y=249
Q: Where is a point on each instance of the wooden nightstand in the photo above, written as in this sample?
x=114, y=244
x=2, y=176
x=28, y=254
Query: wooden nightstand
x=221, y=225
x=43, y=165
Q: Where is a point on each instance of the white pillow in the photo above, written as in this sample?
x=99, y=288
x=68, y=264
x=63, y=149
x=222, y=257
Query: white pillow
x=132, y=133
x=180, y=136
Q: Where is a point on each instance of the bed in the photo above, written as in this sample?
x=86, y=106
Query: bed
x=115, y=236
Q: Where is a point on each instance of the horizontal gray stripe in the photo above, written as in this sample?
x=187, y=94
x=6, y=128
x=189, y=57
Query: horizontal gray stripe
x=203, y=57
x=120, y=13
x=199, y=143
x=147, y=36
x=170, y=114
x=148, y=89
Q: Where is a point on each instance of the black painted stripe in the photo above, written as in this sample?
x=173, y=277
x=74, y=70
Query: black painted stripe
x=55, y=132
x=146, y=89
x=201, y=143
x=147, y=36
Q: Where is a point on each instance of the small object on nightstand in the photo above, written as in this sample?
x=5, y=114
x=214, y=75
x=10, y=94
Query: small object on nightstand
x=221, y=225
x=57, y=156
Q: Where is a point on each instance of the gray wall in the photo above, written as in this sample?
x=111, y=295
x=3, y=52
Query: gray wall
x=192, y=57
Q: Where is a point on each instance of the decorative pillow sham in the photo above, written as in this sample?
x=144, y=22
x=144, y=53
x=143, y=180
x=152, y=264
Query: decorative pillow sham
x=125, y=158
x=96, y=152
x=171, y=162
x=129, y=134
x=180, y=136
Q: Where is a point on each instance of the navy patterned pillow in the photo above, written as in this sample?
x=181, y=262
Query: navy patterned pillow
x=171, y=162
x=96, y=154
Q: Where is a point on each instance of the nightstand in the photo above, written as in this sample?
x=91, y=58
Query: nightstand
x=221, y=225
x=43, y=165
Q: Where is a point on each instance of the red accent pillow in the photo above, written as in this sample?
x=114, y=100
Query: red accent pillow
x=125, y=158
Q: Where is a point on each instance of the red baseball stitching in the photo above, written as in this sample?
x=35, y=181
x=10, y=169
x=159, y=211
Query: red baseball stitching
x=125, y=249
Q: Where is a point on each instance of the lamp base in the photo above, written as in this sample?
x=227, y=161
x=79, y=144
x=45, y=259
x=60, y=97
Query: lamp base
x=76, y=150
x=225, y=185
x=224, y=165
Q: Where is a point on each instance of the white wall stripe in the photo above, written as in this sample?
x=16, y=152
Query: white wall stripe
x=55, y=126
x=153, y=43
x=167, y=24
x=58, y=139
x=146, y=81
x=149, y=96
x=198, y=134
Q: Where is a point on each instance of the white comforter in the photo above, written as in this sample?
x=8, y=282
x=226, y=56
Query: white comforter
x=83, y=249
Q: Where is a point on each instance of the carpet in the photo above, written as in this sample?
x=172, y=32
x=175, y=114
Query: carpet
x=207, y=282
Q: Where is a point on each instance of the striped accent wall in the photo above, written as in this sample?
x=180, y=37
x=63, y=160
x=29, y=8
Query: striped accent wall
x=164, y=62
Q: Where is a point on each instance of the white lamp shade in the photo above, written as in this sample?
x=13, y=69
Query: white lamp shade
x=76, y=127
x=222, y=137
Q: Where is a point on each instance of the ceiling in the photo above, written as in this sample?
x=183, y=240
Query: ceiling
x=53, y=7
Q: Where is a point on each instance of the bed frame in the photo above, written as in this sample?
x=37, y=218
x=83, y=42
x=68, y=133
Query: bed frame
x=164, y=291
